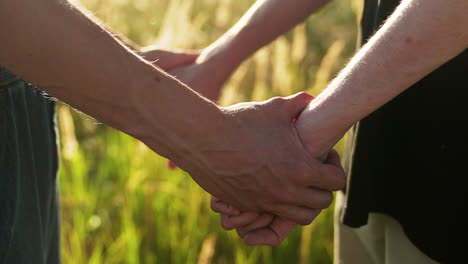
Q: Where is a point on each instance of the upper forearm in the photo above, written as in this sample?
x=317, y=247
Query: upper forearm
x=69, y=56
x=74, y=59
x=264, y=22
x=420, y=36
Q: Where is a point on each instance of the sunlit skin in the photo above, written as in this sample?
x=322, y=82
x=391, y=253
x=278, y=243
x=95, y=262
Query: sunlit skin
x=85, y=66
x=228, y=151
x=419, y=37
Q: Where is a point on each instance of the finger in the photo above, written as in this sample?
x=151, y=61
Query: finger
x=313, y=198
x=271, y=235
x=231, y=222
x=300, y=215
x=296, y=103
x=333, y=158
x=168, y=63
x=223, y=208
x=329, y=175
x=262, y=221
x=332, y=169
x=304, y=174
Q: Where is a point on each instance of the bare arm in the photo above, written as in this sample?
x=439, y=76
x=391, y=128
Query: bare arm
x=74, y=59
x=261, y=24
x=52, y=44
x=420, y=36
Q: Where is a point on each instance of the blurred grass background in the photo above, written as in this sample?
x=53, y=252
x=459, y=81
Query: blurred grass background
x=120, y=203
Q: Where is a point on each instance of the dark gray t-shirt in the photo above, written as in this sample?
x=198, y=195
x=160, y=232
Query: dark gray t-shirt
x=29, y=219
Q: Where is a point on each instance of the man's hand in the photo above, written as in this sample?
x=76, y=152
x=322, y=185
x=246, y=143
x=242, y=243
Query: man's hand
x=259, y=164
x=289, y=108
x=260, y=228
x=248, y=154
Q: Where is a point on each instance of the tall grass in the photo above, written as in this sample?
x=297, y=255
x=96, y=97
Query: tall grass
x=120, y=203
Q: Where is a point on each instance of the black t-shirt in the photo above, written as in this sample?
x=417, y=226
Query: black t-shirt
x=407, y=159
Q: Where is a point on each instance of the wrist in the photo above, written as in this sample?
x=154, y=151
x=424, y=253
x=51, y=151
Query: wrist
x=320, y=128
x=226, y=54
x=177, y=128
x=218, y=63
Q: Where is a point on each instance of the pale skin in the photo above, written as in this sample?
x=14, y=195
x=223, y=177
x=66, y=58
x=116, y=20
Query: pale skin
x=226, y=150
x=420, y=36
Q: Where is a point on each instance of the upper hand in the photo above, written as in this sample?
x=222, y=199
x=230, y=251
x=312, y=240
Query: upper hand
x=259, y=163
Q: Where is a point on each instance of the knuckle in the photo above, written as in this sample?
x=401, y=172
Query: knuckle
x=305, y=220
x=214, y=207
x=227, y=225
x=327, y=199
x=300, y=177
x=269, y=207
x=240, y=232
x=304, y=94
x=341, y=184
x=286, y=193
x=311, y=217
x=276, y=194
x=277, y=100
x=276, y=242
x=285, y=196
x=266, y=219
x=337, y=179
x=338, y=184
x=232, y=211
x=342, y=177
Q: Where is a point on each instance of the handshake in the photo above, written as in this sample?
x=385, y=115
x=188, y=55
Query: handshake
x=267, y=164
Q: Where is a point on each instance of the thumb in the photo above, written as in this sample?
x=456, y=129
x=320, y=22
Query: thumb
x=296, y=103
x=176, y=60
x=169, y=60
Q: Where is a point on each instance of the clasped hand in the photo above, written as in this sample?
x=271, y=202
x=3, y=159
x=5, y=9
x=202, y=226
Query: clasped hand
x=261, y=228
x=257, y=163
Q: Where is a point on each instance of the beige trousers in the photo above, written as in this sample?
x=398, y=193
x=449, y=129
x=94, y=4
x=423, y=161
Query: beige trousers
x=381, y=241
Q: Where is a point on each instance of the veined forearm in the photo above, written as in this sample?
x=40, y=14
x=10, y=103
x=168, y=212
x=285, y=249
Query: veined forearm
x=420, y=36
x=227, y=151
x=264, y=22
x=55, y=46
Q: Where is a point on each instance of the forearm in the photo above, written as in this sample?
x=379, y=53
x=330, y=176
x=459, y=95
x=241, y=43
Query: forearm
x=420, y=36
x=53, y=45
x=227, y=151
x=262, y=23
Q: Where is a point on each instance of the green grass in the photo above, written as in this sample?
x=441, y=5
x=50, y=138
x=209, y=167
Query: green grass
x=120, y=203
